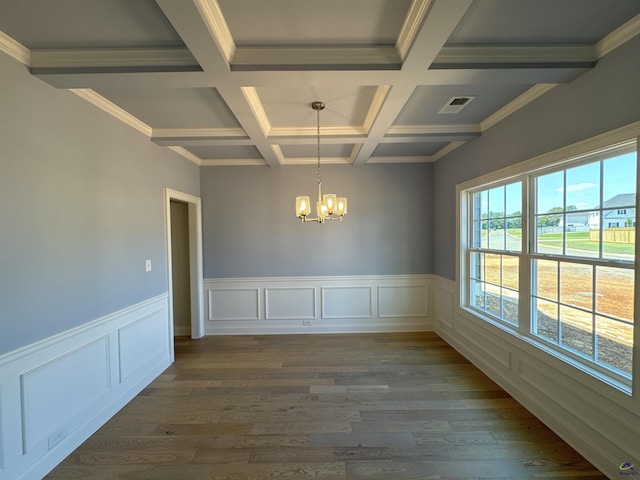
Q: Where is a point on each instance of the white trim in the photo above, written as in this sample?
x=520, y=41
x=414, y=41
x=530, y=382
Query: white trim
x=112, y=57
x=434, y=129
x=311, y=131
x=598, y=421
x=14, y=49
x=612, y=142
x=302, y=305
x=316, y=58
x=375, y=107
x=195, y=261
x=411, y=26
x=613, y=137
x=314, y=161
x=187, y=133
x=186, y=154
x=111, y=108
x=618, y=37
x=255, y=104
x=401, y=159
x=524, y=99
x=38, y=431
x=233, y=162
x=217, y=25
x=515, y=54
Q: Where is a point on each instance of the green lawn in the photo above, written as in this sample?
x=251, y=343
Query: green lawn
x=578, y=241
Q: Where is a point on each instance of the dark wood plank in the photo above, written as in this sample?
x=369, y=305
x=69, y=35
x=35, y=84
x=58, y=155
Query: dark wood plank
x=336, y=407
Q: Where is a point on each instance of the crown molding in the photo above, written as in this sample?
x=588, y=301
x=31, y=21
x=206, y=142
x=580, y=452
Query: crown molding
x=112, y=109
x=447, y=149
x=401, y=159
x=463, y=55
x=465, y=128
x=255, y=104
x=376, y=105
x=217, y=25
x=291, y=58
x=114, y=58
x=618, y=37
x=236, y=162
x=325, y=132
x=314, y=161
x=212, y=133
x=183, y=152
x=14, y=49
x=411, y=26
x=529, y=96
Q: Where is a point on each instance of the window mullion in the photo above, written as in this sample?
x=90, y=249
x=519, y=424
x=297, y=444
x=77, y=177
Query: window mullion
x=528, y=221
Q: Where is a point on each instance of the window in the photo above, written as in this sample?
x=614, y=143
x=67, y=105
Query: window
x=494, y=253
x=545, y=256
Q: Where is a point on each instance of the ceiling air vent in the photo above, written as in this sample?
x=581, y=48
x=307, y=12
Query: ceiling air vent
x=455, y=104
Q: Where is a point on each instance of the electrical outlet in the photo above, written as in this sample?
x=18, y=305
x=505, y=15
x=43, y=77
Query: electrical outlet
x=56, y=437
x=307, y=323
x=147, y=265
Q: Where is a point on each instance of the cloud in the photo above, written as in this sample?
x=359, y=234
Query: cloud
x=576, y=187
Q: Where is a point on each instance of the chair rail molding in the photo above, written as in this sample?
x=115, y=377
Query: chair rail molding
x=57, y=392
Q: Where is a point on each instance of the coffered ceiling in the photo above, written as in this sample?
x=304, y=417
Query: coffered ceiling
x=230, y=82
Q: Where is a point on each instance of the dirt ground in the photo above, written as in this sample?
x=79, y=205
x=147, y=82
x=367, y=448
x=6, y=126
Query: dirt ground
x=613, y=298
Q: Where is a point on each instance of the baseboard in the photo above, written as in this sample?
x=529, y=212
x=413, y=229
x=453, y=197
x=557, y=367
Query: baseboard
x=599, y=421
x=59, y=391
x=270, y=305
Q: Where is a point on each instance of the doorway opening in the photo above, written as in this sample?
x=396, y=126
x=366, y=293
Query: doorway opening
x=184, y=265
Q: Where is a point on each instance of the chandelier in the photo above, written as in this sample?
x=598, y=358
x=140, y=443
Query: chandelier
x=328, y=206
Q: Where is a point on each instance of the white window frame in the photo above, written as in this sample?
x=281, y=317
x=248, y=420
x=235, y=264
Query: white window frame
x=605, y=145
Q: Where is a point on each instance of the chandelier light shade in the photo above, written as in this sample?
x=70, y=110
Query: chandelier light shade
x=328, y=206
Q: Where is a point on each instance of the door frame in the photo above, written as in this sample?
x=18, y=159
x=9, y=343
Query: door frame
x=195, y=262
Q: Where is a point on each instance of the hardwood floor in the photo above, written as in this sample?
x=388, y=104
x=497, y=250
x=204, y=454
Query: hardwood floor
x=331, y=407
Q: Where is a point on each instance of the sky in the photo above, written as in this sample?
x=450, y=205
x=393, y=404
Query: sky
x=583, y=184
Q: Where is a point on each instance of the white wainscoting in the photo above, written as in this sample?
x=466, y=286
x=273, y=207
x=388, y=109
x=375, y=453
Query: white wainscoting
x=599, y=421
x=55, y=393
x=318, y=304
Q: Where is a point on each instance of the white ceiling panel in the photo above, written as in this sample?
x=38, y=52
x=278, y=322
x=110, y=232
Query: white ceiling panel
x=426, y=102
x=542, y=21
x=295, y=22
x=288, y=107
x=174, y=107
x=87, y=23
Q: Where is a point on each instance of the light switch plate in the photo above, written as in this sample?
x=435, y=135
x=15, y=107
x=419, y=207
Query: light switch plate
x=147, y=265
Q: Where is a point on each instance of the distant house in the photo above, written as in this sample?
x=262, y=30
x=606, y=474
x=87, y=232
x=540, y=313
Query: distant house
x=618, y=212
x=575, y=220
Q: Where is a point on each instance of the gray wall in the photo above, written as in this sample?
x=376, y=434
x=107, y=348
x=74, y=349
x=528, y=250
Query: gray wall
x=81, y=208
x=605, y=98
x=250, y=228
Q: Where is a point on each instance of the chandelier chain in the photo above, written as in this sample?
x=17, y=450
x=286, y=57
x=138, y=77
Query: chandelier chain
x=318, y=142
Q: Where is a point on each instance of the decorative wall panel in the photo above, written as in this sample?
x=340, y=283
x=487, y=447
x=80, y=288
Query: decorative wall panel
x=234, y=303
x=403, y=301
x=346, y=302
x=290, y=303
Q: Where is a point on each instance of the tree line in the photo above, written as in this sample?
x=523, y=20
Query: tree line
x=497, y=221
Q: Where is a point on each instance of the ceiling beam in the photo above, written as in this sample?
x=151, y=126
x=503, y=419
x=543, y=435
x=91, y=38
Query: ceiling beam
x=202, y=30
x=428, y=38
x=316, y=58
